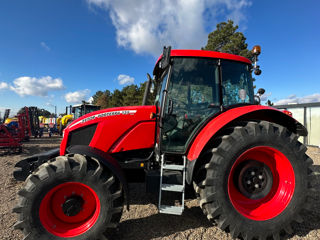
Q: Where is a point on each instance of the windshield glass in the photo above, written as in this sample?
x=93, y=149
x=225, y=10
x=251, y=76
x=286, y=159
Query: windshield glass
x=237, y=86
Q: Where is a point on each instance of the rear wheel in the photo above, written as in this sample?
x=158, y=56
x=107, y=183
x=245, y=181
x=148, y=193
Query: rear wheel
x=256, y=181
x=73, y=197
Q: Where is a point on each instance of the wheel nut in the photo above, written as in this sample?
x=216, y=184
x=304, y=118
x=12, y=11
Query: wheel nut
x=260, y=176
x=256, y=186
x=249, y=182
x=253, y=173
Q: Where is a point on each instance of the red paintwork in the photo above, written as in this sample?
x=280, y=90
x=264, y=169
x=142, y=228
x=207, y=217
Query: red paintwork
x=13, y=136
x=141, y=136
x=208, y=54
x=281, y=192
x=216, y=124
x=56, y=222
x=112, y=130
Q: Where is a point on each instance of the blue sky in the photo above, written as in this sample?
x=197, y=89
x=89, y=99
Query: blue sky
x=57, y=52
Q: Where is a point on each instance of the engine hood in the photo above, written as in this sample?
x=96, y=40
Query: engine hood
x=112, y=125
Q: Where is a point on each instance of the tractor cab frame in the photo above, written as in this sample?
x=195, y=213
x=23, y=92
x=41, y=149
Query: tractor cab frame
x=192, y=90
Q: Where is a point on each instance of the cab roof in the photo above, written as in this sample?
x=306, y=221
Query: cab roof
x=208, y=54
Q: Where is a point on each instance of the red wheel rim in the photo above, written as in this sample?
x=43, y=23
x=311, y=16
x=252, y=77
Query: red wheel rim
x=57, y=222
x=282, y=189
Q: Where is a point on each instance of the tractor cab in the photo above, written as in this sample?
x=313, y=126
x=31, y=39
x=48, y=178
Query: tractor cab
x=193, y=89
x=82, y=109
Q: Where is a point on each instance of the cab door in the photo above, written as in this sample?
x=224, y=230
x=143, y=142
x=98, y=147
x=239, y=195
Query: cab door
x=190, y=96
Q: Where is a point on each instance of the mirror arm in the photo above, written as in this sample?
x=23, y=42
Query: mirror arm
x=146, y=91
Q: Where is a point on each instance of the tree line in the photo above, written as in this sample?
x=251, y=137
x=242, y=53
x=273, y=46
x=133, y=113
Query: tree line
x=130, y=95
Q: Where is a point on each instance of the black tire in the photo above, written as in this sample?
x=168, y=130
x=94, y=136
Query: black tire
x=65, y=170
x=212, y=187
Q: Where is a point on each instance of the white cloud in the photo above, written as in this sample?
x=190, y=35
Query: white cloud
x=294, y=99
x=90, y=100
x=125, y=79
x=145, y=26
x=45, y=46
x=265, y=96
x=77, y=96
x=3, y=85
x=36, y=86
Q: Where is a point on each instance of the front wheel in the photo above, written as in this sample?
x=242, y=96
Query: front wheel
x=256, y=181
x=72, y=197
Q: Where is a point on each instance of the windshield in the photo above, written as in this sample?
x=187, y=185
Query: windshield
x=237, y=87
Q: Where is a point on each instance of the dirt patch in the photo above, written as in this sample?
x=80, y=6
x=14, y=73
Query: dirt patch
x=143, y=221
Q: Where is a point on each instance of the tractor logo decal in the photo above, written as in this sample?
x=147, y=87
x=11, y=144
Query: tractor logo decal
x=106, y=114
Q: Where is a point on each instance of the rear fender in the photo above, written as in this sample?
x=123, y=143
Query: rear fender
x=107, y=160
x=246, y=113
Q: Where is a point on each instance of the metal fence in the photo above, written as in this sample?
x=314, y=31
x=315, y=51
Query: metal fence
x=309, y=115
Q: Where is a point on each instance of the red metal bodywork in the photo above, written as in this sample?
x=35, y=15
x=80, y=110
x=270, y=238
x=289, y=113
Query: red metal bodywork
x=119, y=129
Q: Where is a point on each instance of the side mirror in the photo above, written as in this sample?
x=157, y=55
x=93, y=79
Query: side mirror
x=147, y=90
x=165, y=60
x=257, y=71
x=261, y=91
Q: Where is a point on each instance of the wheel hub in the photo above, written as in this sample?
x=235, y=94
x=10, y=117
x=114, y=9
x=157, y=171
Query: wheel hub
x=72, y=206
x=254, y=179
x=69, y=209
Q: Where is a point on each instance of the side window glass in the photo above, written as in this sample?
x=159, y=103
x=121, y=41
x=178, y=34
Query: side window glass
x=236, y=83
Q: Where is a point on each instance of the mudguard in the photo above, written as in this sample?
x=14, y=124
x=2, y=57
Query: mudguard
x=245, y=113
x=107, y=160
x=26, y=166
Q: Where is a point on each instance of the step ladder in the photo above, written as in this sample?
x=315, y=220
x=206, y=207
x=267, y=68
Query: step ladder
x=167, y=209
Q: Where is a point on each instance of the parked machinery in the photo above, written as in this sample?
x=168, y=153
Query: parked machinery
x=75, y=112
x=15, y=130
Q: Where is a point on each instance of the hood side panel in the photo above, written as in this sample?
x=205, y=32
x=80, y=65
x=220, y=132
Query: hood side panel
x=112, y=126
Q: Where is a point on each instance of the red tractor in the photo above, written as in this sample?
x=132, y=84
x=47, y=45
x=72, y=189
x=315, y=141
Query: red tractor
x=205, y=130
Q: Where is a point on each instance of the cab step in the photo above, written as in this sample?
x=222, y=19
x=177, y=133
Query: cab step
x=174, y=210
x=172, y=187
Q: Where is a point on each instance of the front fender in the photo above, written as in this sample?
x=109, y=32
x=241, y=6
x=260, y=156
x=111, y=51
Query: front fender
x=26, y=166
x=107, y=160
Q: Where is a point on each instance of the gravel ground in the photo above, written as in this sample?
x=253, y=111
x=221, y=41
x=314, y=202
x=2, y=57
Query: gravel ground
x=142, y=221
